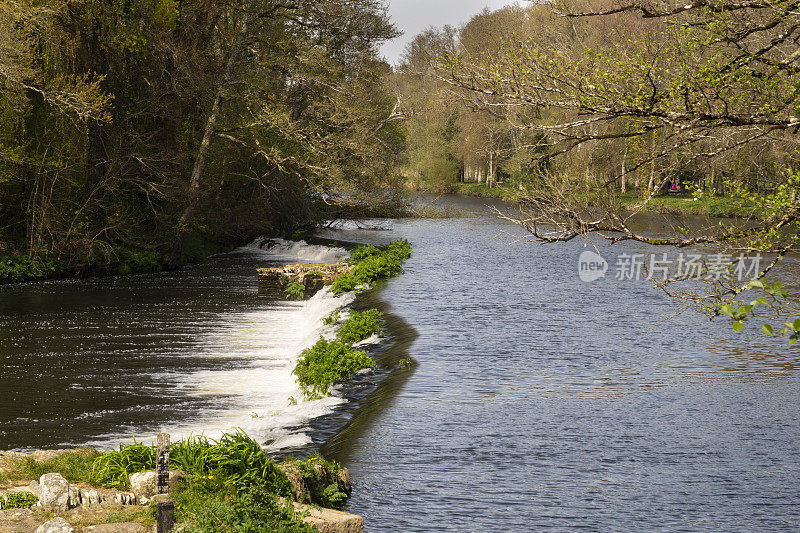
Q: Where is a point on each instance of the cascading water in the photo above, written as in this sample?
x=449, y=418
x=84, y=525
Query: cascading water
x=269, y=404
x=260, y=348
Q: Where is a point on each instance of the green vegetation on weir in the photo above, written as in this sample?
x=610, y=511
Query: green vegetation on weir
x=360, y=326
x=330, y=361
x=371, y=264
x=327, y=362
x=230, y=484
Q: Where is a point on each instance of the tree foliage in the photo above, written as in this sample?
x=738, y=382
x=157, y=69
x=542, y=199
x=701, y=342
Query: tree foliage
x=164, y=126
x=609, y=104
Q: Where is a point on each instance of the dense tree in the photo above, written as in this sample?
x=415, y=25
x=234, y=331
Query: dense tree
x=164, y=126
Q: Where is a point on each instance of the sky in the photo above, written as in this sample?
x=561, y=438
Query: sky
x=413, y=16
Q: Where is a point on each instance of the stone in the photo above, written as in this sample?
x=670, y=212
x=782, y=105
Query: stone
x=75, y=496
x=272, y=281
x=300, y=490
x=298, y=484
x=144, y=483
x=56, y=525
x=91, y=497
x=121, y=527
x=54, y=493
x=344, y=481
x=330, y=520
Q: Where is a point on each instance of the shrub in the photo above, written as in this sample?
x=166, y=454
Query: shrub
x=362, y=252
x=295, y=291
x=360, y=326
x=253, y=511
x=327, y=362
x=15, y=269
x=321, y=478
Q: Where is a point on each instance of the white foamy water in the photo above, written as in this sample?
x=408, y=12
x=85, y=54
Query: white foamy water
x=296, y=250
x=267, y=402
x=261, y=348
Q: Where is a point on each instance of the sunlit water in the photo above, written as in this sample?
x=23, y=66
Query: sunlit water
x=535, y=401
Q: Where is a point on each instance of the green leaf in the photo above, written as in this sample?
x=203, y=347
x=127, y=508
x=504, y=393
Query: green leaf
x=756, y=284
x=726, y=310
x=762, y=301
x=738, y=326
x=767, y=329
x=793, y=339
x=796, y=324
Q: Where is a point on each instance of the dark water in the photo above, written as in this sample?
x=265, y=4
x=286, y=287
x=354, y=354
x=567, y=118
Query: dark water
x=535, y=402
x=544, y=403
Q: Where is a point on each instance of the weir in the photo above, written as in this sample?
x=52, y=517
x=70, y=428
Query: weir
x=272, y=282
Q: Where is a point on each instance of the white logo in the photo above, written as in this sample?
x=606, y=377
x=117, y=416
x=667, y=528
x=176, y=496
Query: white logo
x=591, y=266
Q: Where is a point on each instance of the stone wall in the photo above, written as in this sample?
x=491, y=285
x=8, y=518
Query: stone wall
x=272, y=282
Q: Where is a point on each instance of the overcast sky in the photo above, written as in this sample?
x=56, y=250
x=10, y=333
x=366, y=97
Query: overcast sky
x=413, y=16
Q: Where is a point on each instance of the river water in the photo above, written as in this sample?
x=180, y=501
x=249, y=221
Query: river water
x=535, y=400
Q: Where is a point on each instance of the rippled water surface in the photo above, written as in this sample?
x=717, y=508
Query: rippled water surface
x=535, y=401
x=544, y=403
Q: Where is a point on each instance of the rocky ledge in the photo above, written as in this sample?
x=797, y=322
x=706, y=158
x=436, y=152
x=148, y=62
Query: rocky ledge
x=272, y=282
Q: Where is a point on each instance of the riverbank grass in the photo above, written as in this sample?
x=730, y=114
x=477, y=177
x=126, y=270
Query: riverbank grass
x=481, y=190
x=230, y=484
x=686, y=204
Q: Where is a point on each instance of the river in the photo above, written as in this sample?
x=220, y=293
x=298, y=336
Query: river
x=535, y=400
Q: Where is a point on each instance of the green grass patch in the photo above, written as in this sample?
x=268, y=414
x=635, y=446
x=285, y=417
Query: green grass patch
x=208, y=509
x=75, y=466
x=326, y=363
x=372, y=264
x=710, y=206
x=235, y=460
x=481, y=190
x=360, y=326
x=18, y=500
x=112, y=469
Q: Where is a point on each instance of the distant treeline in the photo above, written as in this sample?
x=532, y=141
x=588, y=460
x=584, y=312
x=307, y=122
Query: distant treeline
x=627, y=96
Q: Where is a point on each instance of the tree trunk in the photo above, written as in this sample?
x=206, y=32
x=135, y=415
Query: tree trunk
x=175, y=258
x=624, y=179
x=490, y=174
